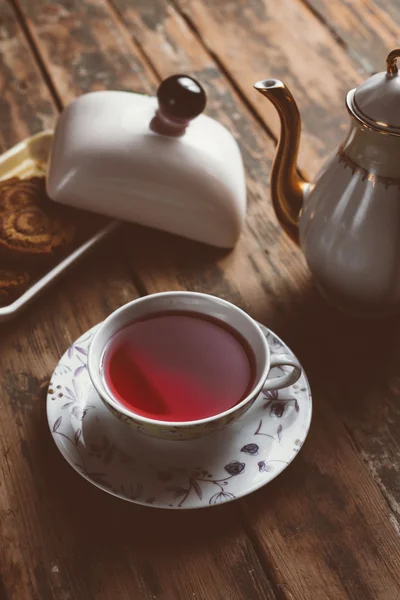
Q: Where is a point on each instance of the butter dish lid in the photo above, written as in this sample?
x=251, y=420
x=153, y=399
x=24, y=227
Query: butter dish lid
x=157, y=162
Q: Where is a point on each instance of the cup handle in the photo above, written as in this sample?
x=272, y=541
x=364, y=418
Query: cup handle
x=279, y=360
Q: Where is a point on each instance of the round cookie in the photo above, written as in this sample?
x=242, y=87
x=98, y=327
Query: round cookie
x=32, y=228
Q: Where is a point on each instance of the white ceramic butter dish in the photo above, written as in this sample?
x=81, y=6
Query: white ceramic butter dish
x=159, y=163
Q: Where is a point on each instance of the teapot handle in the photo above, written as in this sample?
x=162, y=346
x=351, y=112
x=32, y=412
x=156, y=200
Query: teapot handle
x=391, y=62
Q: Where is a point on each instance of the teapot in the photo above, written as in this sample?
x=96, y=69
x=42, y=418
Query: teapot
x=347, y=222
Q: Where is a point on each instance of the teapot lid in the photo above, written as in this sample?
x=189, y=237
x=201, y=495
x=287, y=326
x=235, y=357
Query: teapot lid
x=377, y=100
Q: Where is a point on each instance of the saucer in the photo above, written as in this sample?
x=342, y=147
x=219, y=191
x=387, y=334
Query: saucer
x=217, y=468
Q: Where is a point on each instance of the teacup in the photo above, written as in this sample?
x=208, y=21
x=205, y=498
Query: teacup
x=207, y=305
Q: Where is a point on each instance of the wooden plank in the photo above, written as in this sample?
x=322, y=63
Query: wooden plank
x=366, y=28
x=95, y=53
x=391, y=7
x=25, y=106
x=37, y=489
x=313, y=496
x=253, y=276
x=260, y=39
x=386, y=10
x=60, y=537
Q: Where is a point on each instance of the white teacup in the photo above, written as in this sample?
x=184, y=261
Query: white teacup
x=200, y=304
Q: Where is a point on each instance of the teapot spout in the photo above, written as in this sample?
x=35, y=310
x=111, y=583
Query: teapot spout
x=287, y=186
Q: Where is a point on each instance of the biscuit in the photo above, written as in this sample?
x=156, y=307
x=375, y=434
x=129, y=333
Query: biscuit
x=32, y=227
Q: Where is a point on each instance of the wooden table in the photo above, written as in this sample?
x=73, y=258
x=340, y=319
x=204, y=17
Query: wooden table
x=329, y=527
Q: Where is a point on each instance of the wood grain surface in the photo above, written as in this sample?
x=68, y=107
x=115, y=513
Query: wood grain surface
x=329, y=527
x=263, y=39
x=367, y=30
x=26, y=107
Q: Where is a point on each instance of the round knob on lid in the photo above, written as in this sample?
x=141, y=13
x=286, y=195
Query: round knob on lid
x=376, y=101
x=181, y=98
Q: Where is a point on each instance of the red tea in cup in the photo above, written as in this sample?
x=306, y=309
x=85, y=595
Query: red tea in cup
x=178, y=366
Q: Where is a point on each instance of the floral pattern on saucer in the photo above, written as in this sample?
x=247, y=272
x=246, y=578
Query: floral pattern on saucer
x=217, y=468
